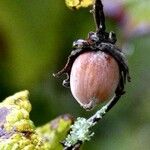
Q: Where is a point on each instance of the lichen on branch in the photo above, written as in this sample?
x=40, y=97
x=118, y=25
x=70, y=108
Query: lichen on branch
x=17, y=131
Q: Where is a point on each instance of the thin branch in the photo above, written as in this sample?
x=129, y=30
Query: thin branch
x=99, y=16
x=80, y=131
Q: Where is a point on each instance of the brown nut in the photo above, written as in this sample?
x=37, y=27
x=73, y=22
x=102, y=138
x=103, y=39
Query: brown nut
x=94, y=78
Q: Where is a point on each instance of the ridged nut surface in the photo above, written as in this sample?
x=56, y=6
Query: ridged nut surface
x=94, y=78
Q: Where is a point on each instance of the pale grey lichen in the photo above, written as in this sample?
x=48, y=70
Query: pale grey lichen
x=80, y=132
x=98, y=115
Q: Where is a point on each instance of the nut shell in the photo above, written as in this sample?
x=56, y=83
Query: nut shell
x=94, y=78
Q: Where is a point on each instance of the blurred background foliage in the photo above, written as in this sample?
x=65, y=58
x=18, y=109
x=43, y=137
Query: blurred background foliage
x=35, y=40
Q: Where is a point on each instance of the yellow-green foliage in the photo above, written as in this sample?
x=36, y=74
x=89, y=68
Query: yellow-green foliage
x=18, y=132
x=78, y=3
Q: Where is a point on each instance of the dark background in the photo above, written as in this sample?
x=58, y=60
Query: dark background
x=35, y=40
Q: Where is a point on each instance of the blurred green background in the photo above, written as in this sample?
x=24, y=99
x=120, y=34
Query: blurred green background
x=35, y=40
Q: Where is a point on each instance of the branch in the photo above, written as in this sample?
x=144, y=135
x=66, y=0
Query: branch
x=17, y=131
x=99, y=16
x=80, y=131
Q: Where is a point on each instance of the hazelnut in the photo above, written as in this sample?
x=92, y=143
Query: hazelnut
x=94, y=78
